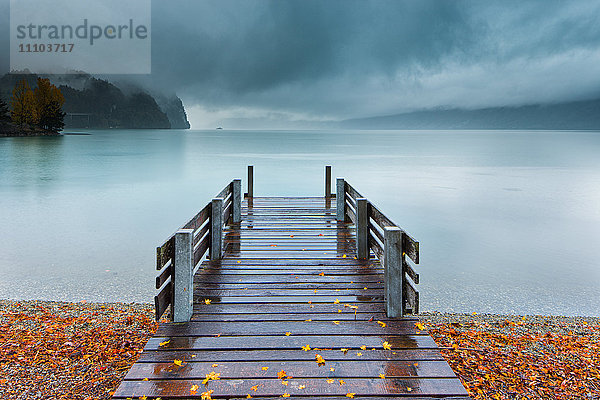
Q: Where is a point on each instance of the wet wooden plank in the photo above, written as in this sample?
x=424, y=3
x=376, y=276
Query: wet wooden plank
x=286, y=308
x=295, y=369
x=314, y=387
x=216, y=356
x=283, y=342
x=294, y=328
x=347, y=315
x=291, y=299
x=309, y=279
x=349, y=261
x=266, y=292
x=323, y=284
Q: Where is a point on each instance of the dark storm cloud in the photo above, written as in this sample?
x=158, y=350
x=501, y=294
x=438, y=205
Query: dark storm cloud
x=253, y=46
x=341, y=58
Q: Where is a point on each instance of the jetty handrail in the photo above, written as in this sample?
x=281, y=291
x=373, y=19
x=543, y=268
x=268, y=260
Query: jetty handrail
x=179, y=257
x=389, y=243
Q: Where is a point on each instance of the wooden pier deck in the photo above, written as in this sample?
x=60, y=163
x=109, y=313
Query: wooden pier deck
x=289, y=311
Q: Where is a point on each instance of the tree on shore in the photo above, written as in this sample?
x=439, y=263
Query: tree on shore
x=23, y=105
x=49, y=101
x=41, y=107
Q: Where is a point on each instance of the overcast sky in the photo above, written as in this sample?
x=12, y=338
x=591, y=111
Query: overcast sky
x=330, y=59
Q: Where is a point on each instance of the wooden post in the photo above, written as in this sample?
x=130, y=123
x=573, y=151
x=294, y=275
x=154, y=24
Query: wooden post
x=250, y=181
x=183, y=267
x=362, y=229
x=328, y=181
x=341, y=199
x=216, y=229
x=393, y=274
x=236, y=201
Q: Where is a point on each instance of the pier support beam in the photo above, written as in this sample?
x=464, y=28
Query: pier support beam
x=216, y=229
x=183, y=267
x=236, y=200
x=362, y=229
x=341, y=199
x=328, y=182
x=250, y=181
x=393, y=274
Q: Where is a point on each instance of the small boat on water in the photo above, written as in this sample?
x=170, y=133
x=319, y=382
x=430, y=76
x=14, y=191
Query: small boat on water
x=219, y=128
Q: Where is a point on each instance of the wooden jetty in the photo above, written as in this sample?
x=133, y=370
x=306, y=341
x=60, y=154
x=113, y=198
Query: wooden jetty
x=303, y=297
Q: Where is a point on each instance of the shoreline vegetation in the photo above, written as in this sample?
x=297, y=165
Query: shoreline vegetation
x=83, y=350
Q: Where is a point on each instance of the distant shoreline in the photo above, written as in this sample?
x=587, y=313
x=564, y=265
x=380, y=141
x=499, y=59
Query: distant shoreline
x=11, y=130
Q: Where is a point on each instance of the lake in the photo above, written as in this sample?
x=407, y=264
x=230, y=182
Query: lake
x=508, y=221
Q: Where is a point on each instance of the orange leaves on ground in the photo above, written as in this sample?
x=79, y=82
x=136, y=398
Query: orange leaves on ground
x=166, y=342
x=207, y=301
x=282, y=374
x=516, y=358
x=344, y=350
x=363, y=347
x=320, y=360
x=322, y=274
x=206, y=395
x=194, y=389
x=336, y=322
x=212, y=376
x=177, y=362
x=351, y=395
x=306, y=348
x=288, y=333
x=420, y=326
x=285, y=395
x=386, y=345
x=302, y=387
x=382, y=324
x=336, y=301
x=254, y=388
x=330, y=380
x=265, y=368
x=86, y=347
x=284, y=383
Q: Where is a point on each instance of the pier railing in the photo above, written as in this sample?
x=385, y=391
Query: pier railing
x=377, y=233
x=180, y=256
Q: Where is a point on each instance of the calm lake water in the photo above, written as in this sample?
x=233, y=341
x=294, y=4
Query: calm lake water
x=509, y=221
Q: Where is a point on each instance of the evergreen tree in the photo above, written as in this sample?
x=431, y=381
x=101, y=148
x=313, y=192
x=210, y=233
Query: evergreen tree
x=49, y=101
x=24, y=110
x=4, y=111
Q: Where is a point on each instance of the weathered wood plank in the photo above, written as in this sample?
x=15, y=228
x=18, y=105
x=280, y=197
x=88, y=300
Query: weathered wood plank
x=274, y=328
x=273, y=292
x=347, y=315
x=282, y=342
x=308, y=279
x=304, y=309
x=199, y=355
x=163, y=300
x=293, y=299
x=295, y=369
x=314, y=387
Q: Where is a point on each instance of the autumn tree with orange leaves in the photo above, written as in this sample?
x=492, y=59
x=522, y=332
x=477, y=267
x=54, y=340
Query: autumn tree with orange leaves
x=41, y=107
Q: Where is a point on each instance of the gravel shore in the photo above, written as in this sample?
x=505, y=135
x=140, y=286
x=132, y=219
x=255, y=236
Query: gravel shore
x=520, y=357
x=57, y=350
